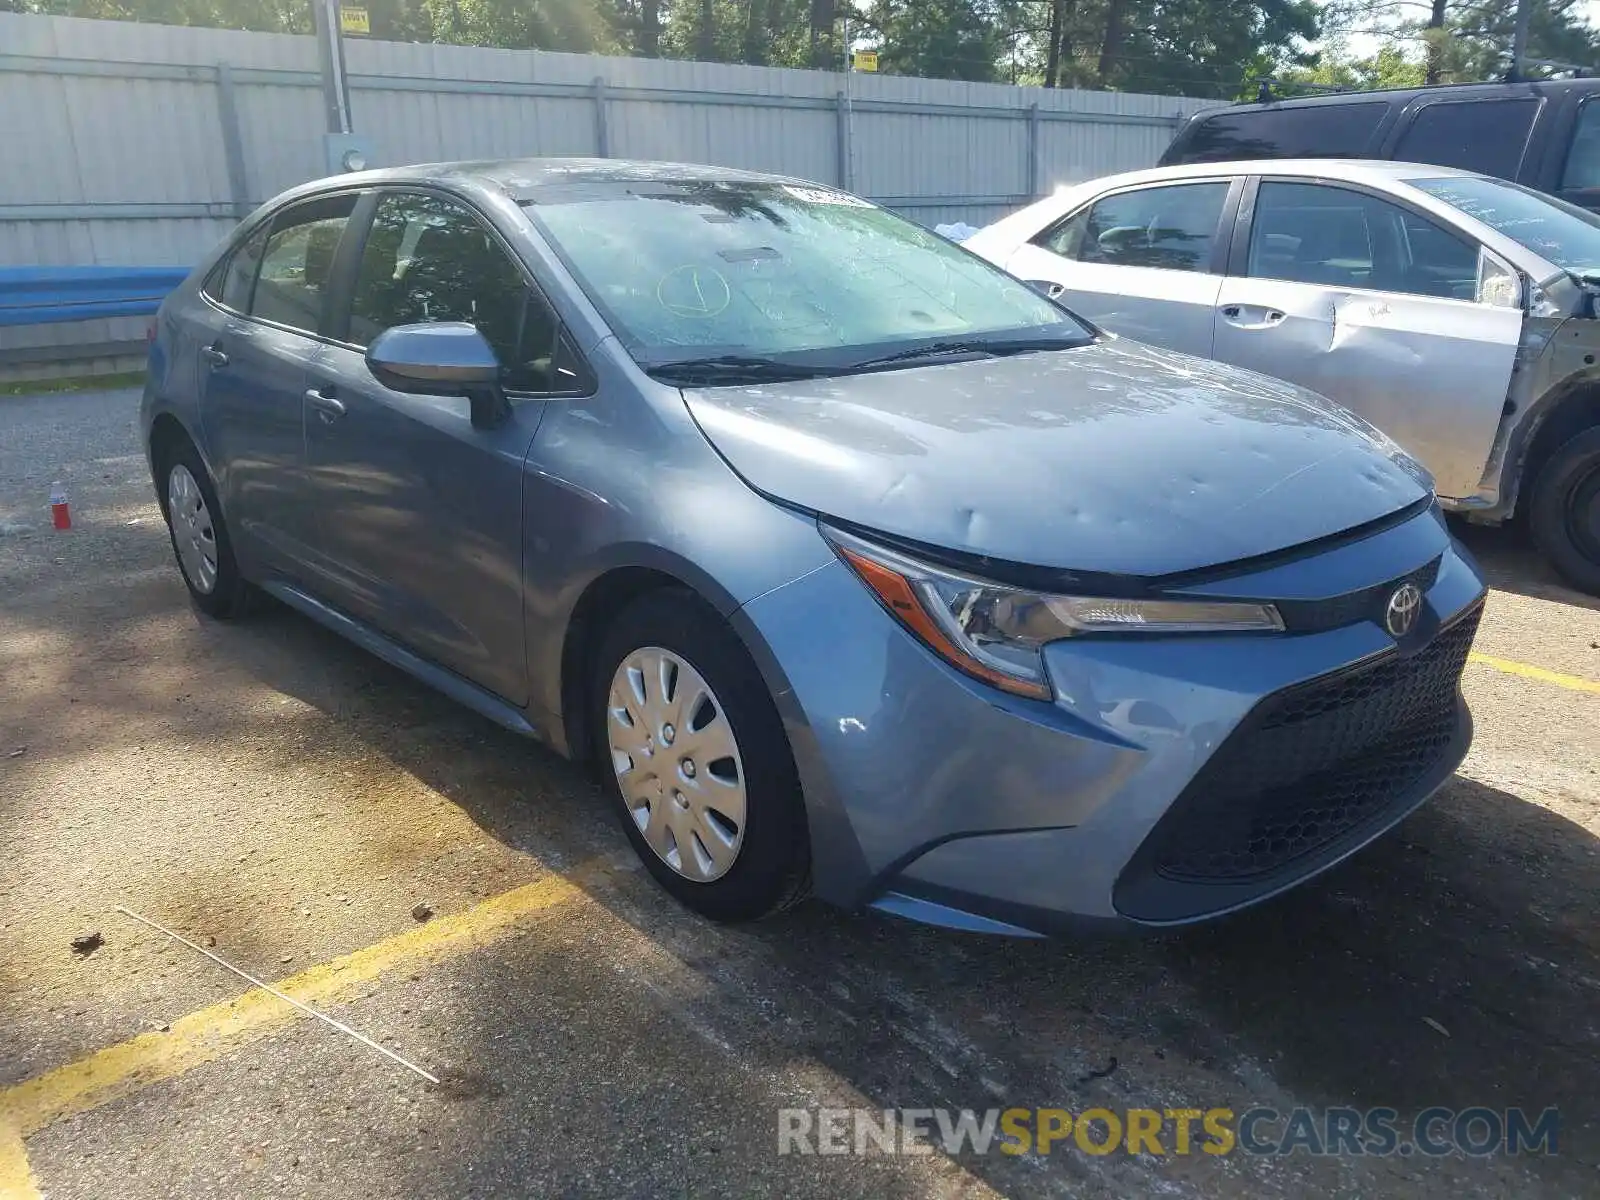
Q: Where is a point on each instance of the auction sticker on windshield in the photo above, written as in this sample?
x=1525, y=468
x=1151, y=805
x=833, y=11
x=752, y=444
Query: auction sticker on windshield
x=816, y=195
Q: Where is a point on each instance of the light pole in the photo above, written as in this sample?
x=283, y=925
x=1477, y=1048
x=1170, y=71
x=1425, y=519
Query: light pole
x=342, y=149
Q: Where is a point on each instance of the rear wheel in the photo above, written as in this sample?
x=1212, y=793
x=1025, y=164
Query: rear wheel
x=1564, y=512
x=696, y=760
x=199, y=535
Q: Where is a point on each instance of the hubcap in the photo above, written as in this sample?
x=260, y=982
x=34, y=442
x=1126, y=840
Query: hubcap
x=192, y=531
x=677, y=763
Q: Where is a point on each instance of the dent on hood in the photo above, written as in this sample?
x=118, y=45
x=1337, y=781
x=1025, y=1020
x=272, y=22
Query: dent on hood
x=1116, y=457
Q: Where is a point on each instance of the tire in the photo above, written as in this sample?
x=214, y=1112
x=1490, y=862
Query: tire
x=199, y=536
x=665, y=795
x=1564, y=514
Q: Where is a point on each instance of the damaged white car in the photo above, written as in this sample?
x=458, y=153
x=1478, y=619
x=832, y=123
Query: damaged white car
x=1455, y=311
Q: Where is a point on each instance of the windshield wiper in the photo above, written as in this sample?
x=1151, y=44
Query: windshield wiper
x=732, y=368
x=994, y=347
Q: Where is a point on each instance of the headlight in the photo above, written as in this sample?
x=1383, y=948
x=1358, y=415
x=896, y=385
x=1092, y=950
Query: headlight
x=995, y=632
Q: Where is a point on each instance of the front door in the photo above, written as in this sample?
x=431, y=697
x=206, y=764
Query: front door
x=1375, y=307
x=1140, y=263
x=256, y=339
x=419, y=511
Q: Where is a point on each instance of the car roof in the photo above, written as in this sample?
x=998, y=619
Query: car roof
x=1351, y=170
x=521, y=178
x=1478, y=90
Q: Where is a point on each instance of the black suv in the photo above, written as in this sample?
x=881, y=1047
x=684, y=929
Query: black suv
x=1545, y=135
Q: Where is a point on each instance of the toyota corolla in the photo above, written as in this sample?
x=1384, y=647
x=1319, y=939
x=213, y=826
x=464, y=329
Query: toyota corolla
x=856, y=567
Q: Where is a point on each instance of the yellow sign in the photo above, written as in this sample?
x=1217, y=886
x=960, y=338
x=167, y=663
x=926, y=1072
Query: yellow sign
x=354, y=20
x=864, y=60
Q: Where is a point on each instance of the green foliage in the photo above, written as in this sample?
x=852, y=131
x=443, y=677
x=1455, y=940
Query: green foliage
x=1213, y=48
x=949, y=39
x=1446, y=41
x=1335, y=68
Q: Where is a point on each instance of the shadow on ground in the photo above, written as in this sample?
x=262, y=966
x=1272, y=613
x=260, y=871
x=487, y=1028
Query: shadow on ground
x=1456, y=962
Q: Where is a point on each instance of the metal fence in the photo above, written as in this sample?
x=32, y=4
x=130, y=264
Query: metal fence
x=141, y=145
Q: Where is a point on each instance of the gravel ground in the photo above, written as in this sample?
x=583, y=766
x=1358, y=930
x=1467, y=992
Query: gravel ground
x=271, y=787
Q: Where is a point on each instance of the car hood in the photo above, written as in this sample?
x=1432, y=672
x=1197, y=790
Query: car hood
x=1115, y=457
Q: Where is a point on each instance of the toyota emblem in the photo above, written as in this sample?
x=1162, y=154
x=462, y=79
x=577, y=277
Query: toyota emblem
x=1400, y=617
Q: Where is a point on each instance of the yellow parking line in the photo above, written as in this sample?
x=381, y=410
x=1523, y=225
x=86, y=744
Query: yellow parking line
x=204, y=1036
x=16, y=1177
x=1575, y=682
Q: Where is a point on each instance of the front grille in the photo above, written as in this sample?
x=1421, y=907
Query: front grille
x=1367, y=604
x=1314, y=762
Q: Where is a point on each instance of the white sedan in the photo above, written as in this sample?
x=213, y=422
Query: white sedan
x=1454, y=311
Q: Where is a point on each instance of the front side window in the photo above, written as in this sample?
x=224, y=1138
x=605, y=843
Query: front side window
x=1309, y=233
x=1556, y=231
x=693, y=269
x=1475, y=135
x=429, y=259
x=1173, y=228
x=297, y=260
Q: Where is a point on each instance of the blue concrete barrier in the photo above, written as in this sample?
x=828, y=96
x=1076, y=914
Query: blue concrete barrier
x=44, y=295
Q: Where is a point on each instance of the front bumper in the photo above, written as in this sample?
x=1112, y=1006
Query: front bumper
x=934, y=796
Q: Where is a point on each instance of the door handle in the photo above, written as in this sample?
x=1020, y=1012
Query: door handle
x=328, y=408
x=1251, y=316
x=214, y=356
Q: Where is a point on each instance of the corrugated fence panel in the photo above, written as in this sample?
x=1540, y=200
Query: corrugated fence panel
x=114, y=135
x=36, y=129
x=1072, y=151
x=281, y=131
x=412, y=126
x=898, y=154
x=789, y=141
x=146, y=140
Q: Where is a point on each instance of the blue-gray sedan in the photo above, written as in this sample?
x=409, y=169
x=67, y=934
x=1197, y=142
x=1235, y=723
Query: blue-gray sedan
x=855, y=566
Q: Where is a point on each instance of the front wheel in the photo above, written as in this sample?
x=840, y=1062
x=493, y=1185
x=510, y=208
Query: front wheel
x=696, y=760
x=1564, y=513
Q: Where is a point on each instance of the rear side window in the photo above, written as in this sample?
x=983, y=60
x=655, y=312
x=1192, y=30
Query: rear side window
x=1316, y=131
x=1583, y=160
x=297, y=261
x=1475, y=135
x=1173, y=228
x=233, y=279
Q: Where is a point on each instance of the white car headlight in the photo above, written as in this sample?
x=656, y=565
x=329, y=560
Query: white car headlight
x=995, y=632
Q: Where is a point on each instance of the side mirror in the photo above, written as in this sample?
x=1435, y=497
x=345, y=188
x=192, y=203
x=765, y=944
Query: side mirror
x=1050, y=291
x=443, y=358
x=1498, y=282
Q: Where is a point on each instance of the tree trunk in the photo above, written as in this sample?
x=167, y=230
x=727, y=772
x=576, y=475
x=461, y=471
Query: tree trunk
x=1435, y=44
x=754, y=49
x=822, y=14
x=649, y=29
x=1052, y=66
x=1111, y=47
x=707, y=41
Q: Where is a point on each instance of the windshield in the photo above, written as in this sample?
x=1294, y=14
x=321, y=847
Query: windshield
x=694, y=270
x=1562, y=233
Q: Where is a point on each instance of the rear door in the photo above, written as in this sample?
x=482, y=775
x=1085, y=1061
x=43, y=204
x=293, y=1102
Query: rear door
x=1488, y=134
x=1144, y=263
x=419, y=511
x=261, y=330
x=1377, y=307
